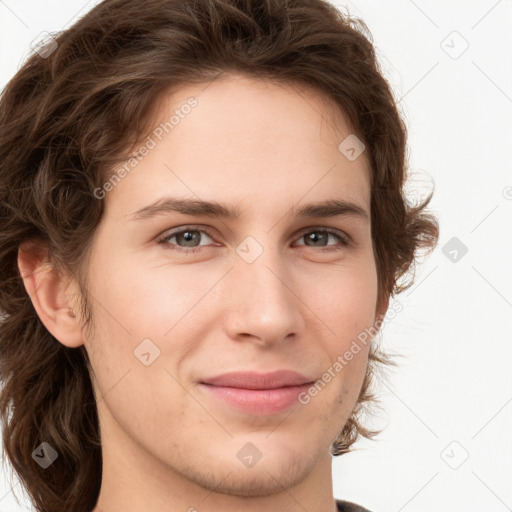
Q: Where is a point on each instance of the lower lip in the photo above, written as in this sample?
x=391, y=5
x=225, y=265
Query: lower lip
x=258, y=401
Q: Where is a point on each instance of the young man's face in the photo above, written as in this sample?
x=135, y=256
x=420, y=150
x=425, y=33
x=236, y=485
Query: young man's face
x=267, y=291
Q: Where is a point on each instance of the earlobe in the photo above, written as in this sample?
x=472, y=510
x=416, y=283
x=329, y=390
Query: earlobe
x=47, y=291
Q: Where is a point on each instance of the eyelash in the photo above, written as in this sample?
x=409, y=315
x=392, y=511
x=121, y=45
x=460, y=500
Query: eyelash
x=344, y=239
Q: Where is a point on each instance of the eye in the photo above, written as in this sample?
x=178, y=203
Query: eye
x=190, y=237
x=321, y=236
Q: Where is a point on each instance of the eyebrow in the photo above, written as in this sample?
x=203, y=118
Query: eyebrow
x=195, y=207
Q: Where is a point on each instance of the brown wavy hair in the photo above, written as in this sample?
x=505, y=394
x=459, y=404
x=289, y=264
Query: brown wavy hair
x=70, y=114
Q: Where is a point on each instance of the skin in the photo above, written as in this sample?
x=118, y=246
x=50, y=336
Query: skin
x=168, y=445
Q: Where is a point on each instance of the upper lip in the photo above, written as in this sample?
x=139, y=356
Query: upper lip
x=255, y=380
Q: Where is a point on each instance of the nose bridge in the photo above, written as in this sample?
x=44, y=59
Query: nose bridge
x=262, y=301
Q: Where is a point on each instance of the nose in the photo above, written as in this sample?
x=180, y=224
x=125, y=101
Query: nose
x=262, y=306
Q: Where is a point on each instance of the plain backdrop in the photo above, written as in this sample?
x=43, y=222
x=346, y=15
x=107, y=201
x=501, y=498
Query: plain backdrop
x=447, y=410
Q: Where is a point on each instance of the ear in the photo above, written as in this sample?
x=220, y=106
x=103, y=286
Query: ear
x=47, y=290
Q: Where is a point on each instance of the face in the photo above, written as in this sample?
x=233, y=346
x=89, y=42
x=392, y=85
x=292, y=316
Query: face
x=181, y=297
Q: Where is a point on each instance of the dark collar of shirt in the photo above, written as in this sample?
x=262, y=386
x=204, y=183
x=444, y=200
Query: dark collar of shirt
x=348, y=506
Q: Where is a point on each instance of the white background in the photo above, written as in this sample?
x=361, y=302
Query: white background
x=451, y=398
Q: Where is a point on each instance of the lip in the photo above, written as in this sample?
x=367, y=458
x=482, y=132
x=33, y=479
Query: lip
x=258, y=393
x=255, y=380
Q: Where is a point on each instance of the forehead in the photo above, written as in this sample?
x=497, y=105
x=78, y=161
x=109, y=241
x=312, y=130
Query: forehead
x=245, y=139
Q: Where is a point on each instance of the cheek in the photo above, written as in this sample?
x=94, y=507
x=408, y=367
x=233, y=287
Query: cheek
x=347, y=308
x=165, y=303
x=142, y=300
x=346, y=302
